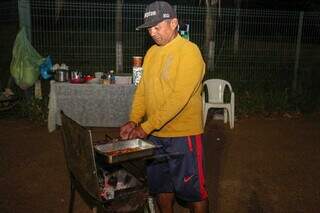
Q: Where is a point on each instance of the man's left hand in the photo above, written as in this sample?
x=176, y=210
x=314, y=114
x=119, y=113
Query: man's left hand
x=137, y=132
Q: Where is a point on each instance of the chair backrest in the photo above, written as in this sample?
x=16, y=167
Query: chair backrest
x=79, y=154
x=216, y=89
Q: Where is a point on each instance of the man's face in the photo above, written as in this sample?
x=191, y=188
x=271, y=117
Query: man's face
x=164, y=32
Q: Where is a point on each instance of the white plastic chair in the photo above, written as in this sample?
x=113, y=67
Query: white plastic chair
x=215, y=88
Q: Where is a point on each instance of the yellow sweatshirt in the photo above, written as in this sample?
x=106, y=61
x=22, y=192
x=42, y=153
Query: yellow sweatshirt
x=167, y=101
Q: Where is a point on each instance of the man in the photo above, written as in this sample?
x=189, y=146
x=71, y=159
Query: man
x=167, y=108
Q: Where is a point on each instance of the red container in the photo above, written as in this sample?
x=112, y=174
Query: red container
x=137, y=61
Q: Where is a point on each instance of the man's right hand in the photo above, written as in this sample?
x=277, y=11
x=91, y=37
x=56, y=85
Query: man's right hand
x=126, y=129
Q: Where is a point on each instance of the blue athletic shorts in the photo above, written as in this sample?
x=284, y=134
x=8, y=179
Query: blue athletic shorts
x=182, y=171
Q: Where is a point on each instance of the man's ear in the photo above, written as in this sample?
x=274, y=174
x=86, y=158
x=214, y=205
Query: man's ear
x=174, y=23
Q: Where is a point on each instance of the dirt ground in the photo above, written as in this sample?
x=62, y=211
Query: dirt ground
x=263, y=165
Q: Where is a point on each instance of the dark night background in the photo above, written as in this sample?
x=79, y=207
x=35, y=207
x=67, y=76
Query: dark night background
x=298, y=5
x=292, y=5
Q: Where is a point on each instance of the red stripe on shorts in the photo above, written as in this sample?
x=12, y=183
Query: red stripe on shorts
x=199, y=154
x=190, y=143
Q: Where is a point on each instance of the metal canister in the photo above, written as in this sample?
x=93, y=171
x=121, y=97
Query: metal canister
x=61, y=75
x=136, y=69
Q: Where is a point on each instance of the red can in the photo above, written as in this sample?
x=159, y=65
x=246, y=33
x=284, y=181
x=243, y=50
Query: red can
x=137, y=61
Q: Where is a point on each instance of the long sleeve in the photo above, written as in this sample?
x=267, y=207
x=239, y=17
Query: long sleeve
x=188, y=80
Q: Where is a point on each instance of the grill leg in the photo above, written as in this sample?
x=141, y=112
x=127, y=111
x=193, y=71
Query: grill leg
x=150, y=205
x=72, y=195
x=94, y=210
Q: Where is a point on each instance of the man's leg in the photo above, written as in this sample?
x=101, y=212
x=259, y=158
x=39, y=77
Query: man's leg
x=199, y=207
x=165, y=202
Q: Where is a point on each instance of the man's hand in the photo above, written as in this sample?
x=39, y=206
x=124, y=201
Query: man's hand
x=126, y=129
x=137, y=132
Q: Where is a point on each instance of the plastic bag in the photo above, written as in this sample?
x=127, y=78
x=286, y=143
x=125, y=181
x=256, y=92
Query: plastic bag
x=45, y=68
x=25, y=63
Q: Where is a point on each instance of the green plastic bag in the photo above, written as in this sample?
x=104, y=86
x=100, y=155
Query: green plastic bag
x=25, y=63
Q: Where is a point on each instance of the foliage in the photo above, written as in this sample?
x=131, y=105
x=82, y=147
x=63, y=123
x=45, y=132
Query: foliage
x=34, y=109
x=261, y=98
x=268, y=98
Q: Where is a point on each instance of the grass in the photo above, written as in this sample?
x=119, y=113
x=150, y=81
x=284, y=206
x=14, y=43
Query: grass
x=268, y=98
x=34, y=109
x=261, y=99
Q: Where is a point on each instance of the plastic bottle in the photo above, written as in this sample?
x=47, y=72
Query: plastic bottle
x=112, y=77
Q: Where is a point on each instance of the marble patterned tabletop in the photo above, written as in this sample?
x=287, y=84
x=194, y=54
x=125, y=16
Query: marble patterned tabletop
x=92, y=105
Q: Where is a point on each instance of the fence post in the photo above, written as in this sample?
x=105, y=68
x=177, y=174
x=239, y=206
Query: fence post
x=25, y=17
x=119, y=41
x=297, y=57
x=210, y=29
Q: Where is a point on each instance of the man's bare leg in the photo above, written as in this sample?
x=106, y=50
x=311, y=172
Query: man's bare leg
x=199, y=207
x=165, y=202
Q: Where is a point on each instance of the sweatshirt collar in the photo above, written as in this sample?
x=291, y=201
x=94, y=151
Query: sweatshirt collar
x=171, y=43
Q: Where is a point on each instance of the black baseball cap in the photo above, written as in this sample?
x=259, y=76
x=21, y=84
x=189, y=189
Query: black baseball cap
x=156, y=12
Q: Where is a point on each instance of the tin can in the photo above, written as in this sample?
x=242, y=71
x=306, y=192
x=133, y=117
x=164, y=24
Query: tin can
x=137, y=61
x=136, y=75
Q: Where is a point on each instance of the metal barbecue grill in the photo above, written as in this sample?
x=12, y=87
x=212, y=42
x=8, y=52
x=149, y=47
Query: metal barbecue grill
x=127, y=158
x=91, y=180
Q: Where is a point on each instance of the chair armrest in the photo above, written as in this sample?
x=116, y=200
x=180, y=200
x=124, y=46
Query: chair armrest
x=203, y=97
x=232, y=97
x=232, y=101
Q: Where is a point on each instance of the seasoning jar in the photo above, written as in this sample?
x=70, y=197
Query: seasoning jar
x=104, y=80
